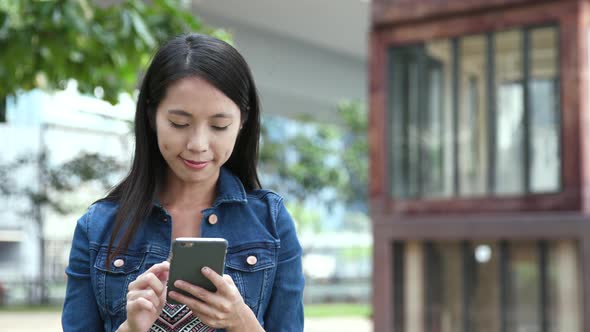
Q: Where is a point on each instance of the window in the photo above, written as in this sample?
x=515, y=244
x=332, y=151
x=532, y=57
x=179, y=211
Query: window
x=422, y=147
x=494, y=286
x=544, y=117
x=509, y=113
x=475, y=116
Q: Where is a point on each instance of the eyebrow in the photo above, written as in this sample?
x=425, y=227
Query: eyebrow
x=222, y=115
x=179, y=112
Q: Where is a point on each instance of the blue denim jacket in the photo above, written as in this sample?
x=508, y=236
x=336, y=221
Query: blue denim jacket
x=254, y=223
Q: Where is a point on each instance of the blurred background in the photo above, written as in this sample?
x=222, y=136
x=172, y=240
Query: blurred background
x=69, y=72
x=433, y=153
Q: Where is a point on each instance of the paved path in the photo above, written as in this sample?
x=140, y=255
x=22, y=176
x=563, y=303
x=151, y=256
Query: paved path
x=339, y=324
x=50, y=322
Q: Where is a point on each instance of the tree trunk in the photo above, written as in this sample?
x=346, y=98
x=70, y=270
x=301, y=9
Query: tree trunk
x=38, y=208
x=2, y=109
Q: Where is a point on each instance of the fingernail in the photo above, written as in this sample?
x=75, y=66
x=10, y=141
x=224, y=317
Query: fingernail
x=178, y=283
x=205, y=270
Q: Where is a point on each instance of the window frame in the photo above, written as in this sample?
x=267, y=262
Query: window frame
x=566, y=198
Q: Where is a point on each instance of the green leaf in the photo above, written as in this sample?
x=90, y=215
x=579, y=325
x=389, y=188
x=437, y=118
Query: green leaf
x=76, y=39
x=142, y=30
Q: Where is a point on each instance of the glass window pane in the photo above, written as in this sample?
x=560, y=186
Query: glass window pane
x=484, y=306
x=420, y=117
x=544, y=112
x=509, y=113
x=564, y=287
x=473, y=125
x=444, y=287
x=412, y=125
x=405, y=129
x=437, y=128
x=398, y=101
x=414, y=286
x=399, y=282
x=525, y=288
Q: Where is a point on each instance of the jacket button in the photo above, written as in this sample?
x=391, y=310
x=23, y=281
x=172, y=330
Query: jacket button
x=251, y=260
x=119, y=263
x=213, y=219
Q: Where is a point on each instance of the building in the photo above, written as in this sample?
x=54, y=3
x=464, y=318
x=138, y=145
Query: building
x=305, y=60
x=35, y=239
x=480, y=165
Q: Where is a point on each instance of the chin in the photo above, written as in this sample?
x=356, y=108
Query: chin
x=200, y=175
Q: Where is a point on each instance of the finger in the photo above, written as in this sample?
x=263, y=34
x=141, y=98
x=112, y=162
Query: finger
x=201, y=309
x=147, y=294
x=141, y=304
x=222, y=303
x=162, y=271
x=228, y=279
x=216, y=279
x=196, y=291
x=163, y=276
x=158, y=268
x=146, y=281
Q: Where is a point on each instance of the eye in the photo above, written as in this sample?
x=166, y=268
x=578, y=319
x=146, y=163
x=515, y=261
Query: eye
x=220, y=128
x=178, y=125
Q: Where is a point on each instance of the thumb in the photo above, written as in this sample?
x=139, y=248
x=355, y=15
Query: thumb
x=161, y=270
x=163, y=276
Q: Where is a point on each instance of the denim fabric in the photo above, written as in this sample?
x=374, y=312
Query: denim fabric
x=254, y=223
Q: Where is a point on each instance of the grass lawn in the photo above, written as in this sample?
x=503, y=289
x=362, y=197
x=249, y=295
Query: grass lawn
x=337, y=309
x=311, y=310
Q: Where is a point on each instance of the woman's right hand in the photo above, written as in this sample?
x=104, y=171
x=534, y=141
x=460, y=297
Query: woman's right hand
x=146, y=298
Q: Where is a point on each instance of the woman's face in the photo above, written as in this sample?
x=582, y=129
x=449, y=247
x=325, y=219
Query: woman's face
x=197, y=127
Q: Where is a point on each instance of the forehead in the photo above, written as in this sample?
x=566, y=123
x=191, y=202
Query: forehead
x=195, y=95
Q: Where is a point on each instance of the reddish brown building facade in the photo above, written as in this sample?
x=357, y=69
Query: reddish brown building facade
x=480, y=165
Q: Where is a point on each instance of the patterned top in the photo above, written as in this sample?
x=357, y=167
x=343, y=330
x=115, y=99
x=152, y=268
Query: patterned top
x=179, y=318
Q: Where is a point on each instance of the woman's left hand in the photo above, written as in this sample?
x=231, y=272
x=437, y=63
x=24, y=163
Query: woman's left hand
x=224, y=308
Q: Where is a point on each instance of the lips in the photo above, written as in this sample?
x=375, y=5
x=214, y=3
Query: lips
x=195, y=164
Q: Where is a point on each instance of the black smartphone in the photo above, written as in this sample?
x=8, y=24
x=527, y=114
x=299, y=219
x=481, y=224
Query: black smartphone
x=189, y=256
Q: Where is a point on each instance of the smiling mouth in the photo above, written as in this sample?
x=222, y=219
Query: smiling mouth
x=195, y=164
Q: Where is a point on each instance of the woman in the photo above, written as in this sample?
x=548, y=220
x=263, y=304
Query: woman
x=197, y=127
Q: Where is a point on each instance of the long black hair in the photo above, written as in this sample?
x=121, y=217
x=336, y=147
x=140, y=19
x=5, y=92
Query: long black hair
x=190, y=55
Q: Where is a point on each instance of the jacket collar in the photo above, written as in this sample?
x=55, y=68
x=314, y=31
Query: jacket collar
x=229, y=188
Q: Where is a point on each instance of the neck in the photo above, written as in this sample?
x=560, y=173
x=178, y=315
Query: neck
x=177, y=194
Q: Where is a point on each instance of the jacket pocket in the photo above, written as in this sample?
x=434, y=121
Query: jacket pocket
x=252, y=268
x=112, y=281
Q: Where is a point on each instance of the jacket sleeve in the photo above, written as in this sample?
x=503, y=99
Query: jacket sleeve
x=285, y=309
x=80, y=311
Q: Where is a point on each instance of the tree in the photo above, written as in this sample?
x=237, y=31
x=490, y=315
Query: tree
x=296, y=164
x=45, y=43
x=318, y=161
x=355, y=154
x=53, y=183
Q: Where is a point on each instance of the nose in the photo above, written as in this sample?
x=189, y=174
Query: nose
x=198, y=141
